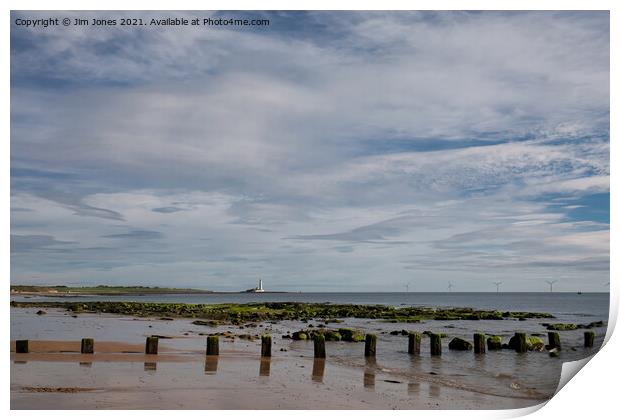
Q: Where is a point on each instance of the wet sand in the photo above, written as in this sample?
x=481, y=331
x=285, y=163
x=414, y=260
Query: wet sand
x=54, y=375
x=57, y=380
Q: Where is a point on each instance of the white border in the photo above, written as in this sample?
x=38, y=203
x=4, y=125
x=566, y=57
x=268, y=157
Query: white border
x=593, y=394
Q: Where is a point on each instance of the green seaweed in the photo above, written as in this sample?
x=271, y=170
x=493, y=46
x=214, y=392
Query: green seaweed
x=240, y=314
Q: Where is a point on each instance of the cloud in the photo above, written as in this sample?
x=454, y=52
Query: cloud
x=374, y=232
x=330, y=150
x=28, y=243
x=136, y=234
x=168, y=209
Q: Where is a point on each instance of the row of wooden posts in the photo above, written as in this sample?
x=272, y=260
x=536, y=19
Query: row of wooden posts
x=370, y=348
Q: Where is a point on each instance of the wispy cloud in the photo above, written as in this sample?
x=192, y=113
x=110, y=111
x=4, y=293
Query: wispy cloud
x=330, y=149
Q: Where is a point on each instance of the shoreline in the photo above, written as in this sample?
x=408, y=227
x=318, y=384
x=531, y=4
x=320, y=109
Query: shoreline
x=120, y=295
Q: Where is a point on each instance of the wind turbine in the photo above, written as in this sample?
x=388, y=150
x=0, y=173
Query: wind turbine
x=551, y=283
x=497, y=283
x=407, y=287
x=450, y=286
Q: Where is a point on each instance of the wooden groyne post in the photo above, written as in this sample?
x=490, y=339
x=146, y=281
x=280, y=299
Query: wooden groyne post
x=319, y=346
x=213, y=345
x=21, y=346
x=554, y=340
x=88, y=346
x=415, y=338
x=370, y=349
x=435, y=344
x=588, y=339
x=265, y=349
x=151, y=345
x=479, y=343
x=521, y=342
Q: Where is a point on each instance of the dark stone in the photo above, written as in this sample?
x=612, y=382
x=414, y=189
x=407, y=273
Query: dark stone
x=459, y=344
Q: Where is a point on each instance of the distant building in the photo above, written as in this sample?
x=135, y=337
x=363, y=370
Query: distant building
x=260, y=286
x=258, y=289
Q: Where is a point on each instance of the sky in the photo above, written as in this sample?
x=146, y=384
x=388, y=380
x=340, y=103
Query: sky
x=328, y=151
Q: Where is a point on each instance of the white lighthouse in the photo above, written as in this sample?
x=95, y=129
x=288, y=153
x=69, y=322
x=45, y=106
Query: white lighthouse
x=259, y=289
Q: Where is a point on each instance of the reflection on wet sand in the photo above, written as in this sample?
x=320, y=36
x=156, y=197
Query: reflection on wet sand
x=413, y=388
x=436, y=364
x=369, y=379
x=20, y=362
x=318, y=370
x=265, y=366
x=369, y=372
x=86, y=364
x=434, y=391
x=150, y=366
x=211, y=365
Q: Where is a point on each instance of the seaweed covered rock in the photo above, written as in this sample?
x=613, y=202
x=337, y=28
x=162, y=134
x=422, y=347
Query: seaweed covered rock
x=562, y=327
x=459, y=344
x=535, y=344
x=300, y=335
x=256, y=312
x=331, y=335
x=494, y=342
x=349, y=334
x=518, y=342
x=530, y=343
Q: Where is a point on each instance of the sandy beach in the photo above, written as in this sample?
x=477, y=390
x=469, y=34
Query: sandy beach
x=55, y=375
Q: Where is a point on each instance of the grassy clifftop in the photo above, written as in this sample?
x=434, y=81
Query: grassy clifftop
x=101, y=290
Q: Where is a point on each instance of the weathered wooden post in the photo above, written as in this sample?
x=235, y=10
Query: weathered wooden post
x=151, y=345
x=554, y=340
x=88, y=345
x=479, y=343
x=213, y=345
x=265, y=350
x=415, y=339
x=21, y=346
x=370, y=349
x=520, y=342
x=319, y=346
x=435, y=344
x=588, y=339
